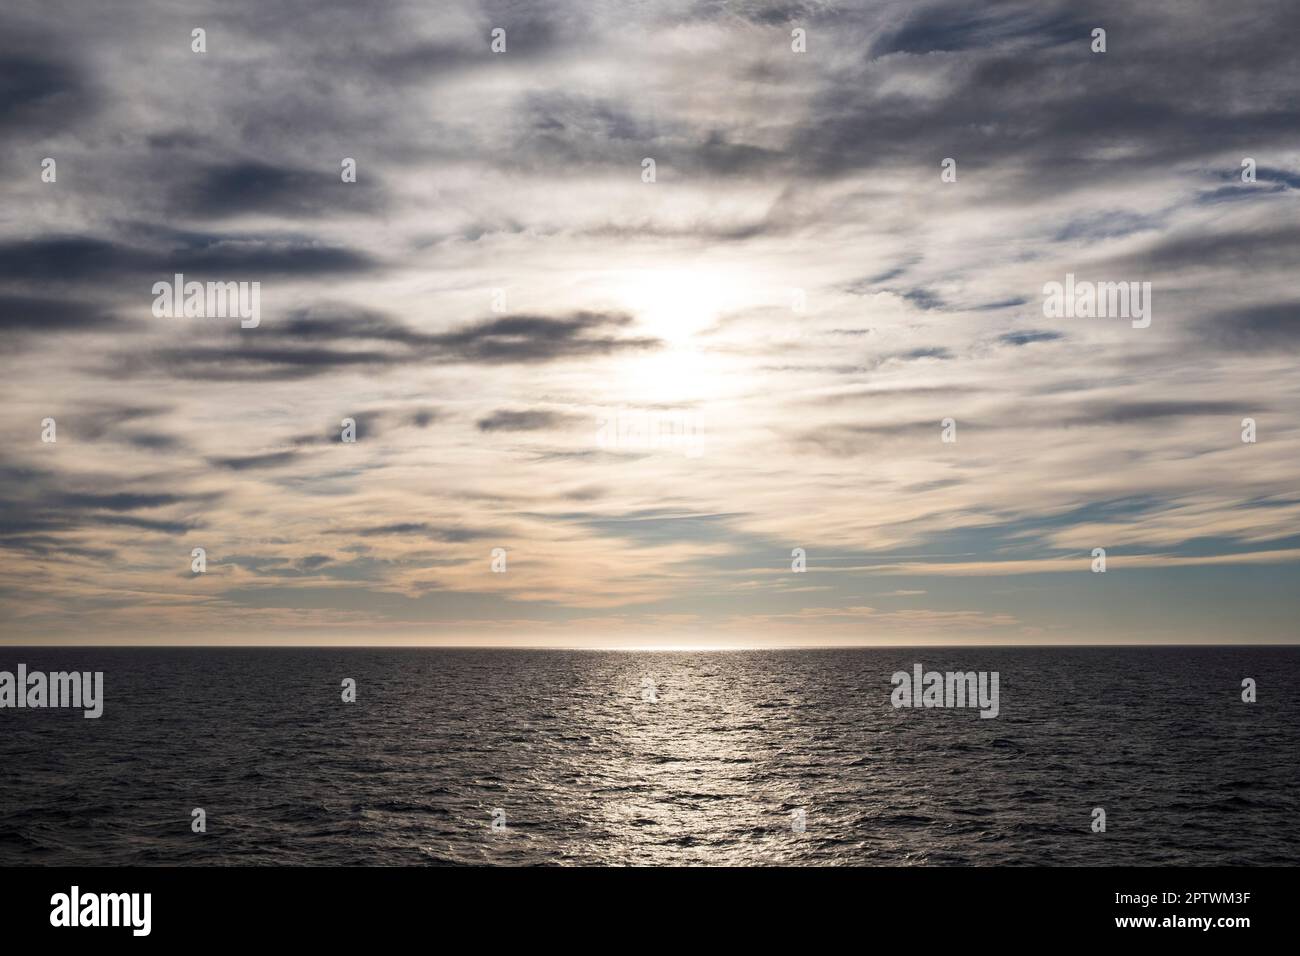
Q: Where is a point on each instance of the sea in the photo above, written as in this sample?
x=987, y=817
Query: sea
x=681, y=758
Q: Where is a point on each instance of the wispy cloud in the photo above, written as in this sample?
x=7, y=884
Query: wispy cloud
x=648, y=394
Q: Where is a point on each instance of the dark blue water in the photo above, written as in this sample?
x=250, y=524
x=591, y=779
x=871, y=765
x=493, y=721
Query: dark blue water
x=585, y=770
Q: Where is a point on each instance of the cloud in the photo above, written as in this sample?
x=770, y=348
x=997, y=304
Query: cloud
x=1123, y=413
x=227, y=257
x=26, y=314
x=535, y=338
x=39, y=94
x=308, y=345
x=253, y=462
x=948, y=27
x=505, y=420
x=1269, y=328
x=252, y=187
x=799, y=290
x=422, y=529
x=1029, y=336
x=42, y=508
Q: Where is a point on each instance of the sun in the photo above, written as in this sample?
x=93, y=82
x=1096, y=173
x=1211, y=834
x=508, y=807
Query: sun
x=675, y=304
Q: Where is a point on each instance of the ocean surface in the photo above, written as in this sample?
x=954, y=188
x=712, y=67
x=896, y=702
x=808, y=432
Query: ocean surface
x=712, y=769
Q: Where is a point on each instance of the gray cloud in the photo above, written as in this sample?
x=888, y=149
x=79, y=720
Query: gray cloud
x=422, y=529
x=232, y=189
x=535, y=338
x=39, y=95
x=1029, y=336
x=306, y=346
x=1270, y=328
x=249, y=257
x=26, y=313
x=947, y=27
x=40, y=504
x=253, y=462
x=1123, y=413
x=505, y=420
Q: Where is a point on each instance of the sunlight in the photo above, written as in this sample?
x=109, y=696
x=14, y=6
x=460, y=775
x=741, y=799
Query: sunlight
x=675, y=304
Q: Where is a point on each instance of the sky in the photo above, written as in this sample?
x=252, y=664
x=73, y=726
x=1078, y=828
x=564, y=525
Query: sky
x=649, y=394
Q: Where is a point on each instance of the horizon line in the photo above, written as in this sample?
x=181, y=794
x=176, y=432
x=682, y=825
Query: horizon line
x=643, y=648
